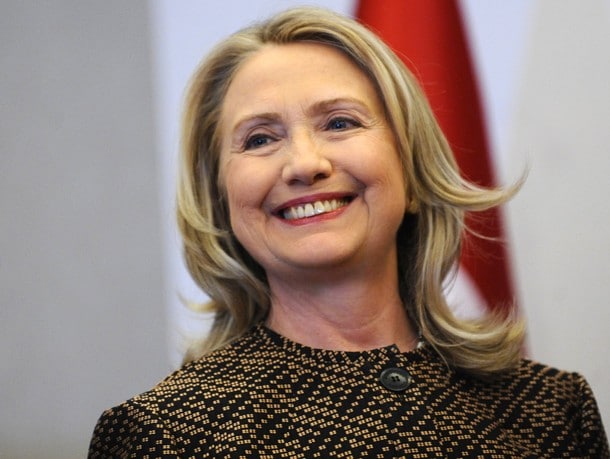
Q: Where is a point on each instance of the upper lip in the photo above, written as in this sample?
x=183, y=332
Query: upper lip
x=310, y=199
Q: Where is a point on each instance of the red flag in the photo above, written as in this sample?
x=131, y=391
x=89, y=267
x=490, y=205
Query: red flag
x=429, y=36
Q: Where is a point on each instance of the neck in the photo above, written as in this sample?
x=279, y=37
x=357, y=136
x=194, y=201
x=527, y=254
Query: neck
x=354, y=314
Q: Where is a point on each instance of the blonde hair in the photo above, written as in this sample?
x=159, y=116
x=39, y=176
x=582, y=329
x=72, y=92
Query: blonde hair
x=429, y=239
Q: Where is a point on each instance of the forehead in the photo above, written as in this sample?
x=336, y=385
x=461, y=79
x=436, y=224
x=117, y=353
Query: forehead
x=292, y=58
x=283, y=73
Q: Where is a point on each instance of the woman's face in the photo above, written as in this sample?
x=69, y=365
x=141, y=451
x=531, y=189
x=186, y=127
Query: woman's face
x=309, y=163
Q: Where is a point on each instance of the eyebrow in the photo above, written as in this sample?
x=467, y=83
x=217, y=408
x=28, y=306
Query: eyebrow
x=327, y=105
x=268, y=118
x=321, y=106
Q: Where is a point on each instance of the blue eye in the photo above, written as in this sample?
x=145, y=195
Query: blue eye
x=341, y=124
x=257, y=141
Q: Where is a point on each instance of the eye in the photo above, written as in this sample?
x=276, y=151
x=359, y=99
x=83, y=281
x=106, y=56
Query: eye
x=342, y=124
x=257, y=141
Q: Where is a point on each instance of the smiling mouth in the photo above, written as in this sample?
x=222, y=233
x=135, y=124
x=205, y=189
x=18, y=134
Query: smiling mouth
x=312, y=209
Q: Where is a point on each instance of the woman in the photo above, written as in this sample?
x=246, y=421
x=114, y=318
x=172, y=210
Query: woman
x=321, y=209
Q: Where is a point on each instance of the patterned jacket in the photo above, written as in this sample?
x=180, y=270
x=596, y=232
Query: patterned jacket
x=265, y=396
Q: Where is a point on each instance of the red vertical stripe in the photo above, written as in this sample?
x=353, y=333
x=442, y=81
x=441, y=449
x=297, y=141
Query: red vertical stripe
x=429, y=36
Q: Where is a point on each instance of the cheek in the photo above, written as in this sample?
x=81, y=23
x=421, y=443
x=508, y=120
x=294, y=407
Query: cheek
x=384, y=172
x=246, y=187
x=244, y=213
x=235, y=186
x=245, y=193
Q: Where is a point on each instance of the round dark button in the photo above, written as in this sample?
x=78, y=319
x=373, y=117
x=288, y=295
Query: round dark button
x=395, y=379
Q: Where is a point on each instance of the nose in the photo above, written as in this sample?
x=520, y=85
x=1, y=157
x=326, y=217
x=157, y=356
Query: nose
x=306, y=162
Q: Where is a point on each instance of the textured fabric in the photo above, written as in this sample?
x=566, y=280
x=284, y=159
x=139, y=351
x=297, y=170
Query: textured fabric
x=265, y=396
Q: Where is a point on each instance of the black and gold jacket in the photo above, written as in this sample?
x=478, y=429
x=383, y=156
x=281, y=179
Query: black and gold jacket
x=265, y=396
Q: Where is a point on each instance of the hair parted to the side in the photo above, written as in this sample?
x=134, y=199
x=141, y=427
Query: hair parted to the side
x=429, y=239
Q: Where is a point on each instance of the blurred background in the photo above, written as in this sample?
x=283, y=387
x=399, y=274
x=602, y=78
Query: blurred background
x=90, y=269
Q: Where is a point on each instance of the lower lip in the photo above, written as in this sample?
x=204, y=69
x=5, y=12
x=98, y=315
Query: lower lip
x=316, y=218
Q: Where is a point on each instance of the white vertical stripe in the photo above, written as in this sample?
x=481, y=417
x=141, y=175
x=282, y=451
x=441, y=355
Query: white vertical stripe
x=498, y=34
x=464, y=297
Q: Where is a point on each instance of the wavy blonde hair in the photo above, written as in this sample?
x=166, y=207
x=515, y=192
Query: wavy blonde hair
x=429, y=239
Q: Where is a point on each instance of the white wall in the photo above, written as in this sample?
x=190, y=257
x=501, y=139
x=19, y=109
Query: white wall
x=82, y=315
x=561, y=220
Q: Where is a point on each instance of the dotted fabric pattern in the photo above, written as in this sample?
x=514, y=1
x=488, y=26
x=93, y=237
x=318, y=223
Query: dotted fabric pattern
x=268, y=397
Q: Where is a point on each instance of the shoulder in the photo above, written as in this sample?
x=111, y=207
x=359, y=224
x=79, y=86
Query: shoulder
x=131, y=429
x=553, y=405
x=536, y=375
x=167, y=417
x=537, y=385
x=224, y=371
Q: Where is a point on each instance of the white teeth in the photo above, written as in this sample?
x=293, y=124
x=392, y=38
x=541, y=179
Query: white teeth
x=309, y=211
x=315, y=208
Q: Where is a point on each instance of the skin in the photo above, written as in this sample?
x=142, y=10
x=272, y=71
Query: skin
x=301, y=123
